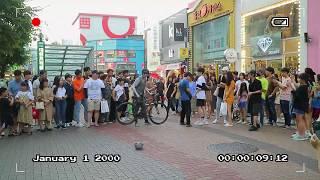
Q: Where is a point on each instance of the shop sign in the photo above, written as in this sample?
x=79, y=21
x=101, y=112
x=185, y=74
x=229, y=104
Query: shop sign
x=41, y=55
x=173, y=66
x=184, y=53
x=266, y=45
x=210, y=9
x=179, y=31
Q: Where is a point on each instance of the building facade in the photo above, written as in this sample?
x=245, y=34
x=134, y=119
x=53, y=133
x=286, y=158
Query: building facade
x=173, y=40
x=114, y=40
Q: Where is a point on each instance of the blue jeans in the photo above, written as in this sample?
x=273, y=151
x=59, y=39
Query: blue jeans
x=263, y=103
x=61, y=107
x=77, y=110
x=285, y=108
x=272, y=110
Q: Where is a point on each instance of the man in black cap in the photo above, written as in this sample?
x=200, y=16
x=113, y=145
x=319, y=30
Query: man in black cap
x=255, y=88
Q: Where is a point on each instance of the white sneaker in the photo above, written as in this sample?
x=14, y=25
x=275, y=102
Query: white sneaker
x=79, y=125
x=215, y=121
x=228, y=125
x=225, y=122
x=201, y=123
x=205, y=122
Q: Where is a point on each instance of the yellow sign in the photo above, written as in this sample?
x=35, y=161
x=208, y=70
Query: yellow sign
x=184, y=53
x=207, y=10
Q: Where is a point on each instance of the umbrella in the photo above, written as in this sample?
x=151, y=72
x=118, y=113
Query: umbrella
x=155, y=75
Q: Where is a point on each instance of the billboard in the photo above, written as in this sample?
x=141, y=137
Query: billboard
x=179, y=31
x=266, y=45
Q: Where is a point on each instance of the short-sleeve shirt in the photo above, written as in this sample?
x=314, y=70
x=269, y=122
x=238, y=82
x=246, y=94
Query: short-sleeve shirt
x=222, y=79
x=264, y=85
x=119, y=90
x=201, y=93
x=238, y=85
x=14, y=87
x=253, y=87
x=183, y=86
x=77, y=83
x=94, y=88
x=193, y=88
x=285, y=94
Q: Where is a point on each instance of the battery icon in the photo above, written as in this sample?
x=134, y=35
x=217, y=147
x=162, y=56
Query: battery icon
x=280, y=21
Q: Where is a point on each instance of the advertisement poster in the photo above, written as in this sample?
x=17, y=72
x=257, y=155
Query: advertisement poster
x=179, y=32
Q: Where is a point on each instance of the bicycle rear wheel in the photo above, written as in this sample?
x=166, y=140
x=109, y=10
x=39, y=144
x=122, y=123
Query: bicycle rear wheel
x=127, y=115
x=158, y=114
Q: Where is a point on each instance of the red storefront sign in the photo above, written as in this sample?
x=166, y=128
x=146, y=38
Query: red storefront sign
x=207, y=9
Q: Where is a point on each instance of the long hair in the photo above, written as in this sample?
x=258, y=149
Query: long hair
x=42, y=83
x=57, y=83
x=229, y=78
x=243, y=88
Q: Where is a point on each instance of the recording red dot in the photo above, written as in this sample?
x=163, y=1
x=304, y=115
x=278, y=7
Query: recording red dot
x=36, y=21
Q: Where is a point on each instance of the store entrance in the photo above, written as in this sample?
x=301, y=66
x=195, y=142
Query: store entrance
x=263, y=64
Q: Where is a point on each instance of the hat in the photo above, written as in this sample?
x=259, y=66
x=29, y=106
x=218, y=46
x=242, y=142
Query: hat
x=225, y=68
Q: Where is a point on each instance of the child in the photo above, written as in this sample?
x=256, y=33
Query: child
x=119, y=96
x=45, y=95
x=5, y=116
x=243, y=102
x=60, y=94
x=25, y=99
x=300, y=108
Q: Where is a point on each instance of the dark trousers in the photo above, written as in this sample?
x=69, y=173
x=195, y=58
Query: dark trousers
x=70, y=108
x=263, y=104
x=170, y=104
x=285, y=108
x=113, y=106
x=137, y=104
x=61, y=107
x=186, y=111
x=272, y=110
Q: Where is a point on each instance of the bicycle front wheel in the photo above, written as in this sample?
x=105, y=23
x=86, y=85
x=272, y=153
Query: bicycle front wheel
x=158, y=113
x=125, y=113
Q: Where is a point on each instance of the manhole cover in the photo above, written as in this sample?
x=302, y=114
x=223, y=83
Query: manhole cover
x=232, y=148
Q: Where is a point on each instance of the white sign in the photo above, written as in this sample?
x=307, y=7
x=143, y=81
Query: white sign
x=171, y=32
x=41, y=59
x=264, y=43
x=171, y=53
x=231, y=55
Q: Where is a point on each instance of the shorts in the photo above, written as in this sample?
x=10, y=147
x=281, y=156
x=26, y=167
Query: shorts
x=93, y=105
x=298, y=112
x=255, y=109
x=242, y=105
x=200, y=102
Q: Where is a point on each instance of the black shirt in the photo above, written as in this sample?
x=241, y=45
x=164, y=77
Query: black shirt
x=170, y=87
x=160, y=88
x=5, y=110
x=221, y=90
x=69, y=90
x=301, y=99
x=253, y=87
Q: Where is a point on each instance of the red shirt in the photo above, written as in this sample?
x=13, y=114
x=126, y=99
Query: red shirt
x=78, y=89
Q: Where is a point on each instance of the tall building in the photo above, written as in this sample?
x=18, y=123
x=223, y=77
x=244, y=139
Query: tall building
x=113, y=37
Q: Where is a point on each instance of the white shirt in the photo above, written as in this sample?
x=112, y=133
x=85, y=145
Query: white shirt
x=94, y=88
x=114, y=81
x=61, y=92
x=119, y=91
x=27, y=93
x=201, y=93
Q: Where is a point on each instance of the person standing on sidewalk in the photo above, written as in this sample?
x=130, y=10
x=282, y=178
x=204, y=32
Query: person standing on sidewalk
x=285, y=96
x=186, y=97
x=255, y=89
x=264, y=84
x=201, y=98
x=45, y=95
x=94, y=89
x=229, y=97
x=79, y=98
x=70, y=99
x=107, y=95
x=271, y=96
x=221, y=86
x=60, y=94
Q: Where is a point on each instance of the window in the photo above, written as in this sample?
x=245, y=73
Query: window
x=85, y=23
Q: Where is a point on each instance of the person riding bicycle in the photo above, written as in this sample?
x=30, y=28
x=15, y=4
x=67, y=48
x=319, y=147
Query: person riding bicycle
x=138, y=88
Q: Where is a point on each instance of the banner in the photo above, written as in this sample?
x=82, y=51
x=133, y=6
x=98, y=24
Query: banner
x=179, y=31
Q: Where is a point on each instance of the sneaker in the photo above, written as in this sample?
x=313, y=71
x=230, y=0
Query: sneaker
x=205, y=122
x=243, y=122
x=215, y=121
x=57, y=127
x=197, y=122
x=228, y=125
x=3, y=133
x=253, y=128
x=239, y=122
x=63, y=127
x=96, y=125
x=188, y=125
x=147, y=123
x=225, y=121
x=201, y=122
x=299, y=138
x=182, y=123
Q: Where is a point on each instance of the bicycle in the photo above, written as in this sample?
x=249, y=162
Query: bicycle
x=158, y=113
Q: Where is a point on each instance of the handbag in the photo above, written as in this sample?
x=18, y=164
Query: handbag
x=216, y=92
x=224, y=109
x=104, y=107
x=39, y=105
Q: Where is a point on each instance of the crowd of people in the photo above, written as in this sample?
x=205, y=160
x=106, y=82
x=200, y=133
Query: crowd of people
x=257, y=94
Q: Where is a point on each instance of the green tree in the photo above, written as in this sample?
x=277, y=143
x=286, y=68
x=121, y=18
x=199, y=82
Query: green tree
x=15, y=33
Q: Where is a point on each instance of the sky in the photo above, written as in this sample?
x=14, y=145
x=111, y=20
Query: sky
x=58, y=15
